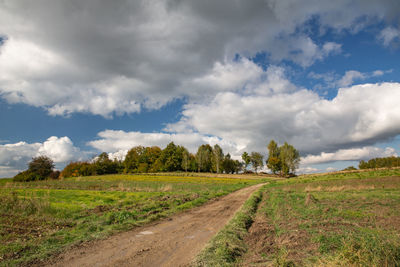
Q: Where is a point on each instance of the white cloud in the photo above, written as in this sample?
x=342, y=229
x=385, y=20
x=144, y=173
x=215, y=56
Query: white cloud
x=7, y=172
x=378, y=73
x=389, y=35
x=353, y=154
x=331, y=169
x=98, y=58
x=301, y=50
x=15, y=157
x=333, y=80
x=59, y=149
x=349, y=78
x=307, y=170
x=301, y=117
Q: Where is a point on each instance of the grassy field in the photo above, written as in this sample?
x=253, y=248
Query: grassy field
x=38, y=219
x=347, y=219
x=342, y=219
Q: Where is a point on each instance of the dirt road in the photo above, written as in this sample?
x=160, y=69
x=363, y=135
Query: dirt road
x=172, y=242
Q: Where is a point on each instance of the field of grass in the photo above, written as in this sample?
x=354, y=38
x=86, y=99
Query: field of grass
x=348, y=219
x=340, y=219
x=38, y=219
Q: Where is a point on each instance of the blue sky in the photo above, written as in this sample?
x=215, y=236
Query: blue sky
x=319, y=75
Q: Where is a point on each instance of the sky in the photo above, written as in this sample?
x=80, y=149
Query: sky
x=78, y=78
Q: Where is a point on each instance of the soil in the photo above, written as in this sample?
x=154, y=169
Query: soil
x=171, y=242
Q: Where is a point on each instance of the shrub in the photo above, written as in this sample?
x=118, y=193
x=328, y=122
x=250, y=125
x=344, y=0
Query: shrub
x=27, y=176
x=74, y=169
x=54, y=175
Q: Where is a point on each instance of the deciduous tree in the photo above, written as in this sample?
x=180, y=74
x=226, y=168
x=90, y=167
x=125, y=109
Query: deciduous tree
x=256, y=160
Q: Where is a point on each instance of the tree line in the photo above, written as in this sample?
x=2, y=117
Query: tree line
x=173, y=158
x=387, y=162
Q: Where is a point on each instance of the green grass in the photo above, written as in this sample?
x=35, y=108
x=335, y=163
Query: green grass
x=39, y=219
x=349, y=219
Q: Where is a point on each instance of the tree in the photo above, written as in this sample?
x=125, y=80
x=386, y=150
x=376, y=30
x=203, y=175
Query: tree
x=185, y=160
x=228, y=164
x=75, y=169
x=290, y=158
x=350, y=168
x=217, y=158
x=171, y=158
x=273, y=161
x=104, y=165
x=246, y=159
x=256, y=160
x=203, y=158
x=387, y=162
x=39, y=168
x=132, y=159
x=238, y=166
x=42, y=166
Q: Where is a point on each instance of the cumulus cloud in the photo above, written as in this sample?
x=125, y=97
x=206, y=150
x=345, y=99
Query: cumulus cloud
x=15, y=157
x=105, y=59
x=352, y=154
x=59, y=149
x=300, y=116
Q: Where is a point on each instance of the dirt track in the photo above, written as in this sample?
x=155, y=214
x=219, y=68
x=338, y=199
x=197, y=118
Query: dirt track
x=172, y=242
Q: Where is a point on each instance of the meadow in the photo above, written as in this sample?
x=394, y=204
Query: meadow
x=39, y=219
x=343, y=219
x=347, y=219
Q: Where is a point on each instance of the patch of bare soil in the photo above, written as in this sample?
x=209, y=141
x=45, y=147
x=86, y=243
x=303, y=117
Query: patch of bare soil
x=172, y=242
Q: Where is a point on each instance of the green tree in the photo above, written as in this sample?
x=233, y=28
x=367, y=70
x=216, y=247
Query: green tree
x=149, y=158
x=246, y=159
x=256, y=160
x=42, y=166
x=132, y=159
x=273, y=162
x=104, y=165
x=238, y=166
x=171, y=158
x=203, y=158
x=185, y=160
x=217, y=158
x=228, y=164
x=290, y=159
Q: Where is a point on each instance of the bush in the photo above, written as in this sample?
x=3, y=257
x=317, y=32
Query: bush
x=27, y=176
x=75, y=169
x=54, y=175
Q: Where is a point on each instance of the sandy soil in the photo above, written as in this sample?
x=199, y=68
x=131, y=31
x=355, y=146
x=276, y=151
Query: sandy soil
x=171, y=242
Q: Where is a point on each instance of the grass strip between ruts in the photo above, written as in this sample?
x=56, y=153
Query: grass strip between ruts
x=225, y=247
